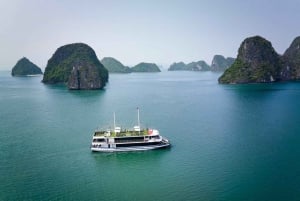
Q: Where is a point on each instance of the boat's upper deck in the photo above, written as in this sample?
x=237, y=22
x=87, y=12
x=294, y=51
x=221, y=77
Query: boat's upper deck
x=124, y=133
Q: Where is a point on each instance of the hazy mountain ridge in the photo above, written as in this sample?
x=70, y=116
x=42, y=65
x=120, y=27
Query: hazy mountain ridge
x=219, y=63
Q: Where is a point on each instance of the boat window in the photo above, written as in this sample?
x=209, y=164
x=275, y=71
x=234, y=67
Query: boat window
x=129, y=139
x=98, y=140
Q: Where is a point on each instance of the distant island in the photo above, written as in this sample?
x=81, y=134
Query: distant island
x=258, y=62
x=193, y=66
x=24, y=67
x=218, y=64
x=77, y=65
x=114, y=66
x=145, y=67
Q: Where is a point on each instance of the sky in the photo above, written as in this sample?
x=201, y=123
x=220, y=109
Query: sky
x=134, y=31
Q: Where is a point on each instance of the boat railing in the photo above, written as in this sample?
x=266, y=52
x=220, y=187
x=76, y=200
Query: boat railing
x=121, y=133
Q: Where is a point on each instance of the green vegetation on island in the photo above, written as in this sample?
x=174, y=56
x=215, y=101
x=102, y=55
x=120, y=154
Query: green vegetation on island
x=114, y=66
x=25, y=67
x=258, y=62
x=77, y=65
x=145, y=67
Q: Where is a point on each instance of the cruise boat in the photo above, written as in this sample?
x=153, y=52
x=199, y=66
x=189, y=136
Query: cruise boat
x=120, y=140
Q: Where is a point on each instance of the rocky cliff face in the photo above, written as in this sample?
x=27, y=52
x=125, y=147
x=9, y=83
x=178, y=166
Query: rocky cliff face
x=24, y=67
x=85, y=77
x=291, y=61
x=256, y=62
x=78, y=66
x=220, y=63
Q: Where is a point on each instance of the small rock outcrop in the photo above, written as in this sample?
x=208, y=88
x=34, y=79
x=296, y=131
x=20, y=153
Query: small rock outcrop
x=145, y=67
x=220, y=63
x=193, y=66
x=24, y=67
x=114, y=66
x=257, y=62
x=77, y=65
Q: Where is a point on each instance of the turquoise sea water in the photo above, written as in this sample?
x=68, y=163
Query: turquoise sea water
x=230, y=142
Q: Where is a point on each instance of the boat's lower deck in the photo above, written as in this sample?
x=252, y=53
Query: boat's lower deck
x=130, y=148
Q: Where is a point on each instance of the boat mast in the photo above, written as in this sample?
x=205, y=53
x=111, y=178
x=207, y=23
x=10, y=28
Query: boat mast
x=114, y=120
x=138, y=110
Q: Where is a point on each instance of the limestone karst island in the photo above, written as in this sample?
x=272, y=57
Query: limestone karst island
x=24, y=67
x=258, y=62
x=77, y=65
x=145, y=67
x=115, y=66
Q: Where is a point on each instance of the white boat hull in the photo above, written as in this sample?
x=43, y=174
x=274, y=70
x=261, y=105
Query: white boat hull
x=131, y=148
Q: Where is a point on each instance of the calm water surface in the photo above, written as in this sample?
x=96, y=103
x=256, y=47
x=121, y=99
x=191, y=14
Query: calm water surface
x=239, y=142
